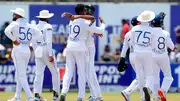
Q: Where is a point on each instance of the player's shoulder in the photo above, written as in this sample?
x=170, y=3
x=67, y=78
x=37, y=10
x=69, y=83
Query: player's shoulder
x=48, y=26
x=165, y=32
x=128, y=34
x=135, y=27
x=14, y=23
x=79, y=21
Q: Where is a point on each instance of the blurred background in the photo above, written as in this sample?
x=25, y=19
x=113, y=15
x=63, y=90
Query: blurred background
x=116, y=14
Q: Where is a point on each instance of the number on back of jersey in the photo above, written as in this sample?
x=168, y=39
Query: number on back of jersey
x=160, y=48
x=74, y=32
x=143, y=38
x=24, y=34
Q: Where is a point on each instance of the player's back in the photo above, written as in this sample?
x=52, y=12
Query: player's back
x=141, y=37
x=43, y=27
x=161, y=42
x=25, y=35
x=77, y=35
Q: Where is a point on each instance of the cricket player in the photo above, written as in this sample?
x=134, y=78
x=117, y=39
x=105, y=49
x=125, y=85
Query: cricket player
x=161, y=61
x=44, y=56
x=141, y=40
x=92, y=77
x=127, y=45
x=77, y=52
x=21, y=33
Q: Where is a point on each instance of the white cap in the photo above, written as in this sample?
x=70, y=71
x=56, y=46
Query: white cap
x=146, y=16
x=19, y=11
x=45, y=14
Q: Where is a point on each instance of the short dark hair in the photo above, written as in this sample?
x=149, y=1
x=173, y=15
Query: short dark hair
x=44, y=19
x=79, y=8
x=124, y=21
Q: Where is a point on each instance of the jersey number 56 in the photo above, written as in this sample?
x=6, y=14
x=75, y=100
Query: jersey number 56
x=25, y=34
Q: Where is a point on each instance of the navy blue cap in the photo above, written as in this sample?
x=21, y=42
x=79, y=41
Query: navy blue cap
x=134, y=21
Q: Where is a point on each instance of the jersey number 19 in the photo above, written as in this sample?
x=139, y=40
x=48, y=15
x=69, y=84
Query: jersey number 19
x=74, y=31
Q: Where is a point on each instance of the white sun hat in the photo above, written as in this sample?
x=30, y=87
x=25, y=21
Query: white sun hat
x=45, y=14
x=19, y=11
x=146, y=16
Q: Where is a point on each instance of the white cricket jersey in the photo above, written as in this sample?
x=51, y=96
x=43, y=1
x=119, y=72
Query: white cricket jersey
x=79, y=30
x=127, y=44
x=46, y=30
x=142, y=37
x=90, y=39
x=161, y=41
x=23, y=32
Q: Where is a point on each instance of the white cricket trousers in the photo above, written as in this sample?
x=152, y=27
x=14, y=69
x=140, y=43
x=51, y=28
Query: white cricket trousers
x=80, y=59
x=41, y=64
x=144, y=70
x=134, y=84
x=21, y=60
x=161, y=62
x=91, y=75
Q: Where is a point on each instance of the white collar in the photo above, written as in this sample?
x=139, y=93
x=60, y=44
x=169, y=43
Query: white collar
x=21, y=20
x=144, y=23
x=42, y=22
x=157, y=28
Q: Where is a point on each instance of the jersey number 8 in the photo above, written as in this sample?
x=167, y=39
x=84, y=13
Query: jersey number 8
x=25, y=35
x=161, y=43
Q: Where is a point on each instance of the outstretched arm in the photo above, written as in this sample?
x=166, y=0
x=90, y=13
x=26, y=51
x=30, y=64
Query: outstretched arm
x=73, y=17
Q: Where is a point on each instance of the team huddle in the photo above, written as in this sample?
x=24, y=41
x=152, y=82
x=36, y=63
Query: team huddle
x=148, y=48
x=148, y=44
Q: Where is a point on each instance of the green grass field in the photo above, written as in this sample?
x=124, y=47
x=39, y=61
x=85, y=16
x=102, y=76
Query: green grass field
x=107, y=96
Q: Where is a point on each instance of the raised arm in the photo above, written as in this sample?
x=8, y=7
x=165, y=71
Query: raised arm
x=73, y=17
x=94, y=29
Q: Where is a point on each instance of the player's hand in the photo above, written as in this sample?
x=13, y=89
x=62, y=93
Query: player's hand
x=51, y=59
x=100, y=35
x=65, y=14
x=31, y=48
x=17, y=43
x=175, y=49
x=101, y=19
x=122, y=66
x=162, y=14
